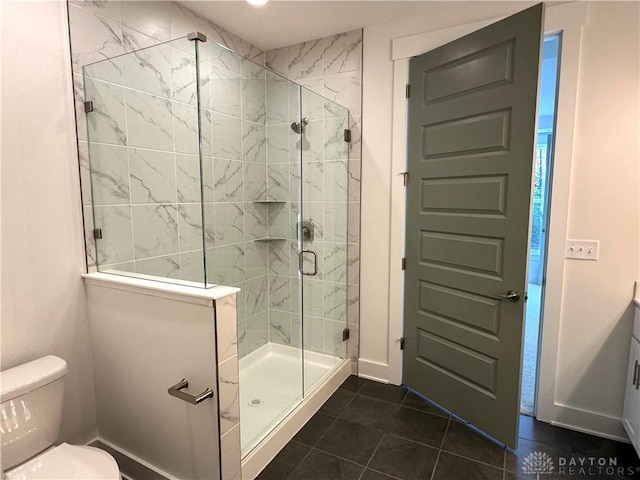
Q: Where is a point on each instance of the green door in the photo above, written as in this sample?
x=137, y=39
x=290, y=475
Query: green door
x=472, y=114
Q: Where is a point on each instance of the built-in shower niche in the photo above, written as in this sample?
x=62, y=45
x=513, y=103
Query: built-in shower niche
x=204, y=168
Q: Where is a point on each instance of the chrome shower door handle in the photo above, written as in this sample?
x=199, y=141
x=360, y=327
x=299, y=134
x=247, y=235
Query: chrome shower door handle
x=176, y=391
x=301, y=263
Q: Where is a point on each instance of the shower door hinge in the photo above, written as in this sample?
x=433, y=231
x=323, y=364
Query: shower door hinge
x=405, y=178
x=88, y=107
x=407, y=91
x=97, y=233
x=404, y=263
x=345, y=334
x=401, y=342
x=347, y=135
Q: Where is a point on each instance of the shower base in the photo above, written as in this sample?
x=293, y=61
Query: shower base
x=291, y=420
x=271, y=387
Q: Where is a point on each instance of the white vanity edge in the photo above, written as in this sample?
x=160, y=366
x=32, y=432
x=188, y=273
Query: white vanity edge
x=160, y=289
x=636, y=298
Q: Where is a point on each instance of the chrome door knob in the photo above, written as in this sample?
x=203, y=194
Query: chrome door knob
x=511, y=295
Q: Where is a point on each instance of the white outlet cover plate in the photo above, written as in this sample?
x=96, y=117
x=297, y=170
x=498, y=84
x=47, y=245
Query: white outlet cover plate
x=582, y=249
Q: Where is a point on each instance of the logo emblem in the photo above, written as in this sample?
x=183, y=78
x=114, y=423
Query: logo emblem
x=537, y=463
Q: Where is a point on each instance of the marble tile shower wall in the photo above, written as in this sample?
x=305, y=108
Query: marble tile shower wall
x=104, y=29
x=250, y=126
x=331, y=67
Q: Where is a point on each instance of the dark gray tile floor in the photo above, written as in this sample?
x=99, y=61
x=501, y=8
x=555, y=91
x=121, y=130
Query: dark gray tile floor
x=371, y=431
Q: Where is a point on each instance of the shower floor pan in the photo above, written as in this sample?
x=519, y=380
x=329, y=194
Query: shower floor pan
x=271, y=387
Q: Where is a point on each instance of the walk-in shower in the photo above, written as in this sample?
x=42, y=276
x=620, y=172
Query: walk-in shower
x=208, y=169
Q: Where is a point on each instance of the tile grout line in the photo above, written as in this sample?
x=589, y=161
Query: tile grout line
x=372, y=455
x=435, y=465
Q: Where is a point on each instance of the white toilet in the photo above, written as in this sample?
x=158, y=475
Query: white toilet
x=31, y=396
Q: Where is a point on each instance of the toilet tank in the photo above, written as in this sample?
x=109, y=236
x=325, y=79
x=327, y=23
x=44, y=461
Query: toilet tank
x=31, y=408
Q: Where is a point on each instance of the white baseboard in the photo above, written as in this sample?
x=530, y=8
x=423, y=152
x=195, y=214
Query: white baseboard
x=586, y=421
x=131, y=466
x=378, y=372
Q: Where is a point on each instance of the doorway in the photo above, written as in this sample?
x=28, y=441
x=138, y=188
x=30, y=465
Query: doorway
x=542, y=168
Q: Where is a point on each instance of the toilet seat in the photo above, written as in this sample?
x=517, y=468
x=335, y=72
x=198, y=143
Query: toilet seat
x=68, y=462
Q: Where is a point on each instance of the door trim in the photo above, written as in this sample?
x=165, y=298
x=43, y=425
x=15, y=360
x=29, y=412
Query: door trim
x=569, y=19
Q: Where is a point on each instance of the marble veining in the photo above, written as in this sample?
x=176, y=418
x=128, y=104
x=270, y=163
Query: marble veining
x=225, y=91
x=255, y=181
x=257, y=329
x=279, y=292
x=312, y=181
x=256, y=296
x=95, y=39
x=226, y=137
x=109, y=169
x=116, y=246
x=305, y=59
x=278, y=182
x=152, y=176
x=335, y=262
x=226, y=266
x=344, y=90
x=188, y=178
x=336, y=181
x=343, y=53
x=280, y=327
x=254, y=142
x=228, y=394
x=253, y=100
x=149, y=70
x=277, y=60
x=185, y=127
x=192, y=266
x=335, y=301
x=256, y=260
x=278, y=221
x=149, y=121
x=190, y=227
x=167, y=266
x=225, y=58
x=335, y=148
x=183, y=77
x=278, y=143
x=106, y=124
x=155, y=230
x=279, y=258
x=255, y=221
x=333, y=343
x=229, y=224
x=227, y=180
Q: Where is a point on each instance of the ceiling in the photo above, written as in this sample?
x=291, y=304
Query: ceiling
x=281, y=22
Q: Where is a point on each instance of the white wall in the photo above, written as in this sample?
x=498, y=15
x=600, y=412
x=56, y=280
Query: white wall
x=43, y=307
x=596, y=320
x=596, y=315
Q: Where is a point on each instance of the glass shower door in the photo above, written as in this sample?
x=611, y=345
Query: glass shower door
x=323, y=235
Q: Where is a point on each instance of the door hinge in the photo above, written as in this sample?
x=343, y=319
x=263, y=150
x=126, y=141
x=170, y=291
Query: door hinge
x=407, y=91
x=401, y=341
x=97, y=233
x=345, y=334
x=405, y=178
x=347, y=135
x=404, y=263
x=88, y=107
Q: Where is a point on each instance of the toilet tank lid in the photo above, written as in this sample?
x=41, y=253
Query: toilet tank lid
x=24, y=378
